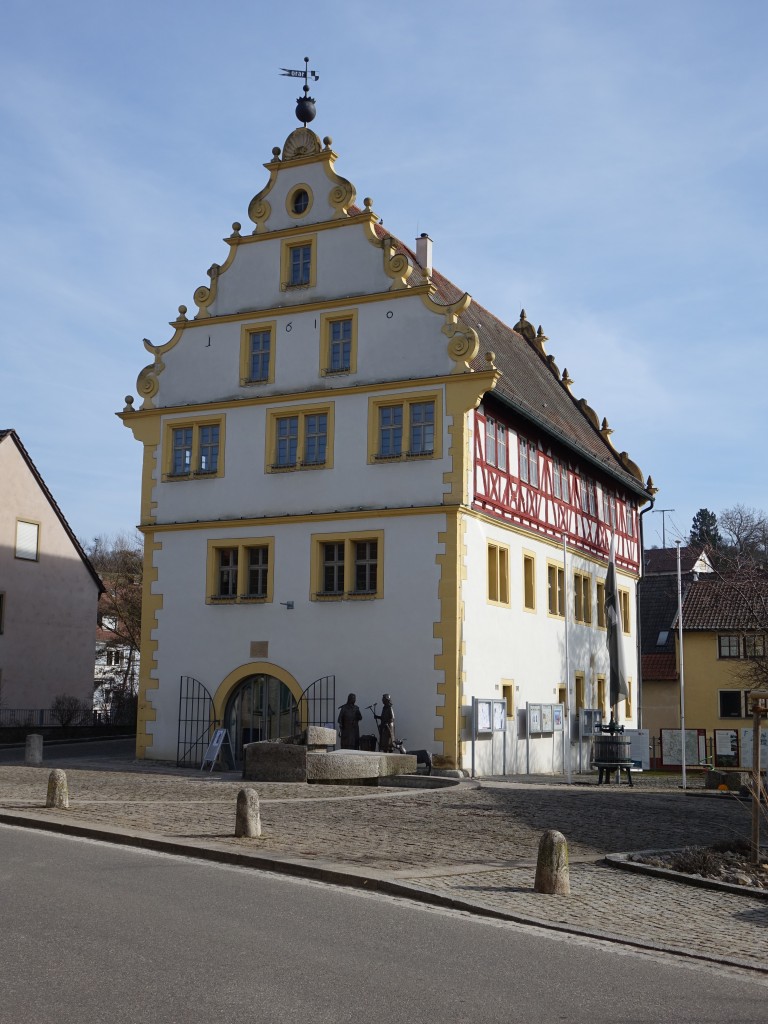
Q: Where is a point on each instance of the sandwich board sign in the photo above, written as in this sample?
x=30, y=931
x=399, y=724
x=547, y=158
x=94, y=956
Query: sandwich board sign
x=220, y=744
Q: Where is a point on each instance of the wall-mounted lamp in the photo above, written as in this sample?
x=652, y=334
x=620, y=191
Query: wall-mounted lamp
x=288, y=605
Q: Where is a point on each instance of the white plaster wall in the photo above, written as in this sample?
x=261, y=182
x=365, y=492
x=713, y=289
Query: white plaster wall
x=247, y=490
x=346, y=262
x=528, y=648
x=370, y=646
x=204, y=365
x=47, y=643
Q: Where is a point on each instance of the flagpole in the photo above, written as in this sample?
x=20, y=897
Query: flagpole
x=680, y=645
x=568, y=774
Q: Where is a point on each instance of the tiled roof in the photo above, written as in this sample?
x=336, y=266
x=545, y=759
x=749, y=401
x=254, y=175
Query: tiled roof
x=665, y=559
x=734, y=601
x=658, y=608
x=659, y=667
x=528, y=385
x=59, y=514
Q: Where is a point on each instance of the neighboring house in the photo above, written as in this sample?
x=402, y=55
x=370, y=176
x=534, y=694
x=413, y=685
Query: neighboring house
x=724, y=634
x=660, y=696
x=355, y=474
x=117, y=660
x=48, y=591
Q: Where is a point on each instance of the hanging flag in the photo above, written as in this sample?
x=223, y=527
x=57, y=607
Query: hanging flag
x=619, y=687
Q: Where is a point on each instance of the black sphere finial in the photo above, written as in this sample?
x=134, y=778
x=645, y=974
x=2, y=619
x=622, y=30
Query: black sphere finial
x=305, y=105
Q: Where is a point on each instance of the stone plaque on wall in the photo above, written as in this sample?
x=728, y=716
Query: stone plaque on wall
x=259, y=648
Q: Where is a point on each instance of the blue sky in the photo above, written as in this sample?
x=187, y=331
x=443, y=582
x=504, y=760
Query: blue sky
x=602, y=164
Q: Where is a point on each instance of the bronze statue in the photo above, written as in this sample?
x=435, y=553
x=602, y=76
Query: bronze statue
x=386, y=723
x=349, y=716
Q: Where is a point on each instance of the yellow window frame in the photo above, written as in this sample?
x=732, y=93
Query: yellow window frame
x=301, y=187
x=600, y=600
x=326, y=323
x=286, y=247
x=582, y=598
x=406, y=399
x=349, y=540
x=602, y=695
x=243, y=545
x=580, y=690
x=301, y=412
x=529, y=581
x=624, y=603
x=555, y=590
x=245, y=351
x=195, y=424
x=497, y=591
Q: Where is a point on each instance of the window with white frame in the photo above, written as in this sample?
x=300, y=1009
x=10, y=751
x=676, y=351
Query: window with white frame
x=27, y=540
x=495, y=443
x=560, y=479
x=728, y=646
x=529, y=462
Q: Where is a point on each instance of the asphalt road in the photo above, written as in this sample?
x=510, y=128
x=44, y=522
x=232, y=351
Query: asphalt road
x=95, y=933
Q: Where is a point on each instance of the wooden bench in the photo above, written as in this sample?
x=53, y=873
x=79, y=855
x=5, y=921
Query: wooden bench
x=608, y=767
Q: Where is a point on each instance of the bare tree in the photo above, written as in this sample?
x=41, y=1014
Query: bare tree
x=746, y=531
x=119, y=562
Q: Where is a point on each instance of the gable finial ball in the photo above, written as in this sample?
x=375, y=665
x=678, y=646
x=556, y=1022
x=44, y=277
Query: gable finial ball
x=327, y=141
x=276, y=152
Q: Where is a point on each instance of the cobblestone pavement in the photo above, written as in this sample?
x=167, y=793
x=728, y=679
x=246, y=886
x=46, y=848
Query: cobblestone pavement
x=475, y=843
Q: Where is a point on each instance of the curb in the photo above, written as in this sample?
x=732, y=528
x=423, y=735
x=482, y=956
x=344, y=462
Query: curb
x=350, y=878
x=624, y=862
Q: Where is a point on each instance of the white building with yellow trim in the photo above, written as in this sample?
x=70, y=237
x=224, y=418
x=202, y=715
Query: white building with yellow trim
x=353, y=471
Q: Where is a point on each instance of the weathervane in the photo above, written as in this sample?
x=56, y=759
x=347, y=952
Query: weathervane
x=305, y=105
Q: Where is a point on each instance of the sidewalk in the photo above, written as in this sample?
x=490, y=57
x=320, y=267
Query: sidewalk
x=471, y=846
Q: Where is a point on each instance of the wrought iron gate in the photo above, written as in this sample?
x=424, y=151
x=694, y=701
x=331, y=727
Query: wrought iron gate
x=196, y=722
x=317, y=705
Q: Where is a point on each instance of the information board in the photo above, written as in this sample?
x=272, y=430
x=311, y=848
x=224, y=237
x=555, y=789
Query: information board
x=672, y=748
x=746, y=746
x=219, y=745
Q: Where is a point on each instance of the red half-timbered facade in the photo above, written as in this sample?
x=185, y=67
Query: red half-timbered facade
x=520, y=476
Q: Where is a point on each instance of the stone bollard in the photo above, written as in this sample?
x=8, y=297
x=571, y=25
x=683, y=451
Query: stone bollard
x=247, y=819
x=552, y=865
x=58, y=794
x=33, y=753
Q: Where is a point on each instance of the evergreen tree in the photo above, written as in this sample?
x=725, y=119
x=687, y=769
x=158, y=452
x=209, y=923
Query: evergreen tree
x=704, y=530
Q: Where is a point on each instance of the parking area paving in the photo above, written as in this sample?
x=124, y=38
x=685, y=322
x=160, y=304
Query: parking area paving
x=473, y=845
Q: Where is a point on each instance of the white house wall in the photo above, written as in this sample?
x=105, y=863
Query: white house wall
x=513, y=646
x=46, y=643
x=371, y=646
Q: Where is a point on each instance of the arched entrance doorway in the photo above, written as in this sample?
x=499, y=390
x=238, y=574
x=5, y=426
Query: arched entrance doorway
x=262, y=707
